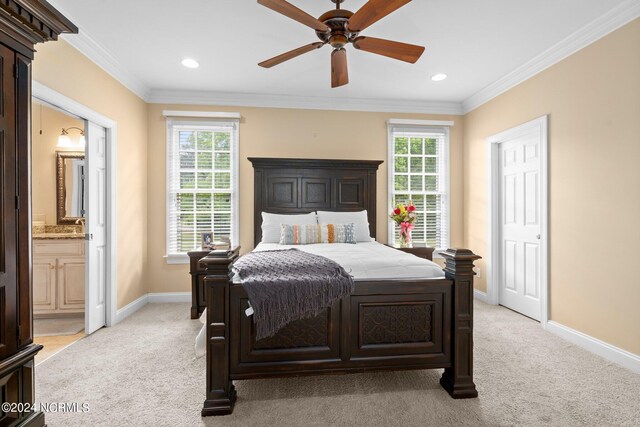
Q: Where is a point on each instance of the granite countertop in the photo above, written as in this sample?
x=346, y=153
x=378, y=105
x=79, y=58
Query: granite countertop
x=57, y=232
x=58, y=236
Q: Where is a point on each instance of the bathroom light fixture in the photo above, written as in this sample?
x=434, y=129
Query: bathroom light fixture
x=65, y=142
x=438, y=77
x=190, y=63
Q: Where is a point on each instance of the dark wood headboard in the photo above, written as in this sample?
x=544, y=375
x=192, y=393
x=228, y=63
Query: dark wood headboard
x=298, y=186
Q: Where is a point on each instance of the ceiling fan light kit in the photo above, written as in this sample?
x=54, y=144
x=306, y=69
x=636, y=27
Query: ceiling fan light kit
x=339, y=27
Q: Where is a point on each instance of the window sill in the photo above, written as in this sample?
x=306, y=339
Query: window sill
x=177, y=259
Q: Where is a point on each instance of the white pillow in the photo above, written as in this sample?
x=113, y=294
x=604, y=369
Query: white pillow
x=359, y=219
x=271, y=224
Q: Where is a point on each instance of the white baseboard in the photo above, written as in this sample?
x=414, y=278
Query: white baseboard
x=131, y=308
x=614, y=354
x=479, y=295
x=162, y=297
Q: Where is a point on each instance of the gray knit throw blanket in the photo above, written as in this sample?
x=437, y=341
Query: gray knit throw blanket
x=287, y=285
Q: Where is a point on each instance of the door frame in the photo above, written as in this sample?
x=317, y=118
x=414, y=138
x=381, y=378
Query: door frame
x=65, y=103
x=493, y=214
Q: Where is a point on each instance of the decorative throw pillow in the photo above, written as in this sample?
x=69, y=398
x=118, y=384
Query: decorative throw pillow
x=323, y=233
x=271, y=224
x=338, y=233
x=358, y=218
x=299, y=234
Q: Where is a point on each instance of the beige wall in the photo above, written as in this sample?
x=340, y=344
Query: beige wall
x=593, y=102
x=47, y=126
x=62, y=68
x=272, y=132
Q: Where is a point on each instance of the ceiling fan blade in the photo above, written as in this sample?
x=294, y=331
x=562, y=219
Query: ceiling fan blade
x=290, y=55
x=373, y=11
x=396, y=50
x=339, y=69
x=287, y=9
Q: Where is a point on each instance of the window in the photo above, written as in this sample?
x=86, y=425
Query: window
x=202, y=183
x=419, y=171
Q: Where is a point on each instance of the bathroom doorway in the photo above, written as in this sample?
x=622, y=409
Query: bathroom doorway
x=69, y=228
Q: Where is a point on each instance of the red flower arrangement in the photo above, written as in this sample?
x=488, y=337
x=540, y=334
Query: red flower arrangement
x=404, y=216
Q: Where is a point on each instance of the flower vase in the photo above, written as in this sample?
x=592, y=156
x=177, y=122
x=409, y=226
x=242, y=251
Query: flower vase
x=405, y=238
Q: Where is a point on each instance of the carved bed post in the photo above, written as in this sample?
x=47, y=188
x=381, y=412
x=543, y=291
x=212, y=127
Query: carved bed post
x=458, y=380
x=221, y=394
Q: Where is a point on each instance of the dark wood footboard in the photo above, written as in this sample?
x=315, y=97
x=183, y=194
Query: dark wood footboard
x=383, y=325
x=221, y=394
x=458, y=378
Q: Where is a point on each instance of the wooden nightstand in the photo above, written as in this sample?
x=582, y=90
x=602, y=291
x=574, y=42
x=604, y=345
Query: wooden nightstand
x=198, y=273
x=422, y=252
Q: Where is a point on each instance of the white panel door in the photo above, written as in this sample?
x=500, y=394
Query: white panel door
x=520, y=257
x=96, y=192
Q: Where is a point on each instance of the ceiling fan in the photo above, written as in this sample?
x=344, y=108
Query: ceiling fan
x=339, y=27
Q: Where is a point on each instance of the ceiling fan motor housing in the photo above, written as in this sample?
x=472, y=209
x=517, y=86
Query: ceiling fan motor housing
x=338, y=22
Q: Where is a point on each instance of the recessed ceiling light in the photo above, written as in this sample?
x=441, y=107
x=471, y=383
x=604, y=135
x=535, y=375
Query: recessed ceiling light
x=438, y=77
x=190, y=63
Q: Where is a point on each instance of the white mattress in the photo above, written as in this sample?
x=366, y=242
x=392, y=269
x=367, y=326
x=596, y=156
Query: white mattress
x=369, y=260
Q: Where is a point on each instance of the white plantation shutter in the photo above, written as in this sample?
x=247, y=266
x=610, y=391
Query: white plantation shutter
x=419, y=171
x=202, y=183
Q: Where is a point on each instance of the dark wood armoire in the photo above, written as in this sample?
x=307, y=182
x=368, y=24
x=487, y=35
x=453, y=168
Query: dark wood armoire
x=23, y=24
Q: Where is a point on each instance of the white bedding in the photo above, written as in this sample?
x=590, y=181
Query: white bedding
x=364, y=261
x=369, y=260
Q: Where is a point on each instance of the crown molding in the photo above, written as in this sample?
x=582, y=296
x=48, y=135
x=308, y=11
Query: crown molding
x=84, y=43
x=606, y=23
x=89, y=47
x=302, y=102
x=600, y=27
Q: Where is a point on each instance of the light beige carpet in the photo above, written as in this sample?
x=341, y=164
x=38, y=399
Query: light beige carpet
x=58, y=326
x=143, y=373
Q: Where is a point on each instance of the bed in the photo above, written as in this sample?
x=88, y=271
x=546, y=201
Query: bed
x=415, y=317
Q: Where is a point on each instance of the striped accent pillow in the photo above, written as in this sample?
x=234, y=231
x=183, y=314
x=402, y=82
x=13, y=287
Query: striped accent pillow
x=291, y=234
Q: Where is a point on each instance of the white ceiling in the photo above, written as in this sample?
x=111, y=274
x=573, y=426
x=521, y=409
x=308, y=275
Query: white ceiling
x=475, y=42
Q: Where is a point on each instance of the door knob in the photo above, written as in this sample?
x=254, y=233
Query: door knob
x=538, y=236
x=88, y=236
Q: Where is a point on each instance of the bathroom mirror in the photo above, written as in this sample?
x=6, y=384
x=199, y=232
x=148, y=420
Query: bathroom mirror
x=70, y=197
